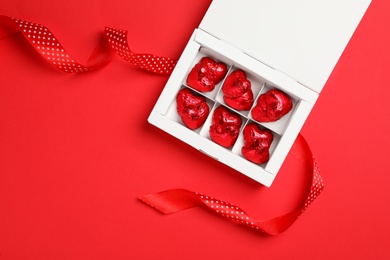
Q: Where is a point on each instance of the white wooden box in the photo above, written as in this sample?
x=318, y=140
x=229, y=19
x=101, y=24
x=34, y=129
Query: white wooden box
x=291, y=45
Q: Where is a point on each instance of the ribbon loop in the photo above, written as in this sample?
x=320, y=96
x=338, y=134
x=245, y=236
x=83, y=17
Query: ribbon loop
x=175, y=200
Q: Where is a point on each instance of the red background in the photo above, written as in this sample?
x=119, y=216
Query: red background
x=76, y=150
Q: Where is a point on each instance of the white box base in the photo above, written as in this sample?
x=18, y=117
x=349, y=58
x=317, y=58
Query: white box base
x=263, y=77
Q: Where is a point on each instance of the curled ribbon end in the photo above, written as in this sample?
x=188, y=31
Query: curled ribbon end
x=145, y=199
x=171, y=201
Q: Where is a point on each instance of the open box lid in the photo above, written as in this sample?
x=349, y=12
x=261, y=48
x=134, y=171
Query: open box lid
x=301, y=38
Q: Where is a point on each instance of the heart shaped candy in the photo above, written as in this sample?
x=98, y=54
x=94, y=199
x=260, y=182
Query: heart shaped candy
x=237, y=91
x=225, y=127
x=192, y=109
x=206, y=74
x=256, y=144
x=271, y=106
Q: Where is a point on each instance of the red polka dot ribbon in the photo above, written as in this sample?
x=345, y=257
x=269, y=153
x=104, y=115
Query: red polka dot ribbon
x=113, y=41
x=170, y=201
x=175, y=200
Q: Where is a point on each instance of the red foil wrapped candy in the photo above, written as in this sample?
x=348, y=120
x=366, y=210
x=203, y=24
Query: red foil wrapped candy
x=237, y=91
x=192, y=109
x=206, y=74
x=271, y=106
x=256, y=144
x=225, y=127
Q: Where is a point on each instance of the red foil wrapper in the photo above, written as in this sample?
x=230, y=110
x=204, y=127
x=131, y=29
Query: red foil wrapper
x=237, y=91
x=271, y=106
x=256, y=144
x=225, y=127
x=192, y=109
x=206, y=74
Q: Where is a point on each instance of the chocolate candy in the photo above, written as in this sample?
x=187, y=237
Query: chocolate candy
x=225, y=127
x=271, y=106
x=237, y=91
x=192, y=109
x=206, y=74
x=256, y=144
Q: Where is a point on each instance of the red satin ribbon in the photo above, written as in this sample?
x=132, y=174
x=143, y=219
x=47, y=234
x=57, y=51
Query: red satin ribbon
x=170, y=201
x=113, y=41
x=175, y=200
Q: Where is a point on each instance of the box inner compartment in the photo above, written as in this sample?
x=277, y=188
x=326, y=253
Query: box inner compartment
x=214, y=99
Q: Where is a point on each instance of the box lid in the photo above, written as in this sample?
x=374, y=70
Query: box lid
x=301, y=38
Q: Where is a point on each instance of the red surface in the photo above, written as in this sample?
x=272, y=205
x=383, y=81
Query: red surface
x=76, y=150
